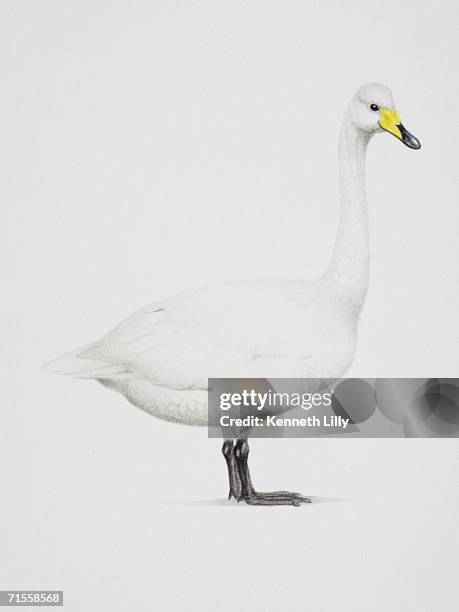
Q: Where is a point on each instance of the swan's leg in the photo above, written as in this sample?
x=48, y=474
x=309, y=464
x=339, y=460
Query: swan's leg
x=233, y=473
x=255, y=498
x=241, y=453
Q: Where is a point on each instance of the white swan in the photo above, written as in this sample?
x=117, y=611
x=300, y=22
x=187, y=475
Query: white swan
x=161, y=357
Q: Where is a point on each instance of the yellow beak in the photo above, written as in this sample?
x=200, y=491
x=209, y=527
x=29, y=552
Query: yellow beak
x=391, y=122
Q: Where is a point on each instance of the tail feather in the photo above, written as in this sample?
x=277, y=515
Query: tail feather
x=76, y=365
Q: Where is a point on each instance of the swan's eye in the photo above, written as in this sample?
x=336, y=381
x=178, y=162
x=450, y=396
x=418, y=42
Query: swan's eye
x=374, y=107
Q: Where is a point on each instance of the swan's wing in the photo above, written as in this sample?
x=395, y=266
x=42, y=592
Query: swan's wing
x=180, y=343
x=176, y=345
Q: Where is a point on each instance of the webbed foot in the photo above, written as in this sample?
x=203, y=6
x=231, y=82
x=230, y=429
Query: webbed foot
x=276, y=498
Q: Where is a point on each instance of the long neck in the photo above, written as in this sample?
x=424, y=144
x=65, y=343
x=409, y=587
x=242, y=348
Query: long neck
x=348, y=268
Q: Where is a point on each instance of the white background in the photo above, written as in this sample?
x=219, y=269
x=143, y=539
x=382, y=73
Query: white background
x=150, y=147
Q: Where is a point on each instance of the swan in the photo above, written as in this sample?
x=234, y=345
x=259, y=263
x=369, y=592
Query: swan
x=162, y=356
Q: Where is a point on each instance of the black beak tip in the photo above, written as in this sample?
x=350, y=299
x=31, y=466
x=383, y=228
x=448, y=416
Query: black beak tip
x=408, y=139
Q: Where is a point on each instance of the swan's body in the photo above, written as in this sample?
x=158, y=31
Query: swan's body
x=161, y=357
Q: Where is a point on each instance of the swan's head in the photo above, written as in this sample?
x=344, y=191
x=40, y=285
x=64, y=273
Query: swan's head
x=372, y=110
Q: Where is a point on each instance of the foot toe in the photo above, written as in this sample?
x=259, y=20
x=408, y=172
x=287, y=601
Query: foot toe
x=277, y=498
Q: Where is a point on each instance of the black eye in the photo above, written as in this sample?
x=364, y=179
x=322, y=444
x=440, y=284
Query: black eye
x=374, y=107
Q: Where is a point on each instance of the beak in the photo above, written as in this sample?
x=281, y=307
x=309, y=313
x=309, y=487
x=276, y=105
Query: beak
x=390, y=121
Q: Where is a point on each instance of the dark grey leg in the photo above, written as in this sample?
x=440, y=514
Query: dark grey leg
x=248, y=493
x=233, y=473
x=241, y=453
